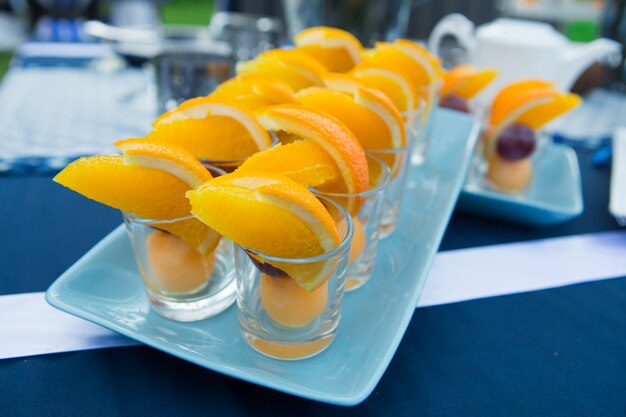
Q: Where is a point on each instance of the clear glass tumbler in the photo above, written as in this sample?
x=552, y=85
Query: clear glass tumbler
x=366, y=209
x=278, y=317
x=182, y=283
x=190, y=68
x=513, y=176
x=398, y=162
x=421, y=122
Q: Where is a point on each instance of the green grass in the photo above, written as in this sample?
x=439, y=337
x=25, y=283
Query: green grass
x=5, y=58
x=191, y=12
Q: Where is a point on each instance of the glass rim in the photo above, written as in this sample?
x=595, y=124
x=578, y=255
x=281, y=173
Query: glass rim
x=417, y=111
x=274, y=142
x=147, y=222
x=343, y=245
x=390, y=151
x=370, y=191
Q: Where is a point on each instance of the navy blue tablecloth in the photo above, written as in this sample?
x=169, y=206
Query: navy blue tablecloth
x=558, y=352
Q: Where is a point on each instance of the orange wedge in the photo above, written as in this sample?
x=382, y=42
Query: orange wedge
x=146, y=192
x=330, y=134
x=295, y=68
x=368, y=113
x=287, y=221
x=532, y=103
x=336, y=49
x=466, y=81
x=414, y=61
x=209, y=129
x=303, y=161
x=543, y=113
x=394, y=84
x=503, y=100
x=181, y=164
x=254, y=91
x=409, y=57
x=150, y=181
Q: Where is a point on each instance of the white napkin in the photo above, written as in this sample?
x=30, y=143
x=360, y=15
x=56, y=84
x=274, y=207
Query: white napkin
x=617, y=203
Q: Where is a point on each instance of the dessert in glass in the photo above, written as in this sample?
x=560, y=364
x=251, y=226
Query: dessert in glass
x=291, y=258
x=398, y=162
x=367, y=208
x=375, y=122
x=325, y=155
x=422, y=72
x=186, y=268
x=512, y=135
x=461, y=85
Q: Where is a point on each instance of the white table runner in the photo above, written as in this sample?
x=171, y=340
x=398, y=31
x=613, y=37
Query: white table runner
x=29, y=326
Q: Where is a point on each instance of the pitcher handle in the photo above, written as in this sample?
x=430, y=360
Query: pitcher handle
x=455, y=25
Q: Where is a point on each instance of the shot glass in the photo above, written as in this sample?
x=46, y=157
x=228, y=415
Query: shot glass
x=182, y=283
x=187, y=68
x=278, y=317
x=502, y=175
x=398, y=162
x=366, y=209
x=420, y=121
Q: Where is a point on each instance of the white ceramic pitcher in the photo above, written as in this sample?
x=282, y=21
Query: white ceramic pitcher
x=522, y=49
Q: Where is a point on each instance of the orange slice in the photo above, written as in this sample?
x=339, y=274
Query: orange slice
x=293, y=67
x=417, y=63
x=211, y=129
x=466, y=81
x=254, y=91
x=287, y=221
x=539, y=115
x=372, y=100
x=372, y=117
x=146, y=192
x=181, y=164
x=394, y=84
x=336, y=49
x=532, y=103
x=411, y=58
x=303, y=161
x=503, y=100
x=150, y=181
x=333, y=136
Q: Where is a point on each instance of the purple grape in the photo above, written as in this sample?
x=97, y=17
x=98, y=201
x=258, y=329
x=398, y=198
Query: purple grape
x=267, y=268
x=516, y=142
x=454, y=102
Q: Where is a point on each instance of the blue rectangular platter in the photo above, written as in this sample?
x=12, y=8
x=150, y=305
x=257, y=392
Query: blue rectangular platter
x=104, y=287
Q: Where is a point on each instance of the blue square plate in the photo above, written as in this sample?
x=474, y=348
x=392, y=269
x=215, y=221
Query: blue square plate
x=554, y=195
x=104, y=287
